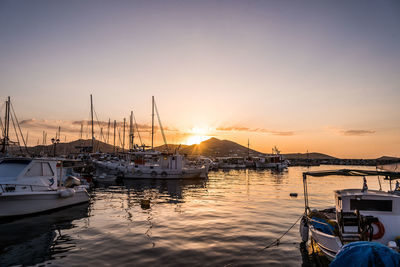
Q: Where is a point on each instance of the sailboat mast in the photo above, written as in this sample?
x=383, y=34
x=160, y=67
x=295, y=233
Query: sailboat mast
x=108, y=130
x=131, y=131
x=152, y=122
x=248, y=147
x=91, y=113
x=114, y=134
x=6, y=126
x=123, y=138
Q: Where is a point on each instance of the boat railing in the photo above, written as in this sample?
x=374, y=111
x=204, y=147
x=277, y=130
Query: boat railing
x=311, y=220
x=7, y=188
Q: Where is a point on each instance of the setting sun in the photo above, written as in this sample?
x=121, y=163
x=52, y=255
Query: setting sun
x=196, y=139
x=198, y=135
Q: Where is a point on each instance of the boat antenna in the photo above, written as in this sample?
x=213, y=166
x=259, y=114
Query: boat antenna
x=152, y=122
x=91, y=114
x=161, y=127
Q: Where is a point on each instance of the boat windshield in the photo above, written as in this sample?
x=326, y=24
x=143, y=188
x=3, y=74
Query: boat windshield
x=12, y=168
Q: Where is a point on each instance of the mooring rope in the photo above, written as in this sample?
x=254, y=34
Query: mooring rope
x=276, y=242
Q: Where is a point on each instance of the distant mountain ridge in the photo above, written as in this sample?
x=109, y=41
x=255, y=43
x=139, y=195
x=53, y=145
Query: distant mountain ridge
x=312, y=155
x=212, y=147
x=223, y=148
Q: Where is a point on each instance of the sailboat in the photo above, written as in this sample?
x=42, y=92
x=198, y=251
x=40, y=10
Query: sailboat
x=151, y=164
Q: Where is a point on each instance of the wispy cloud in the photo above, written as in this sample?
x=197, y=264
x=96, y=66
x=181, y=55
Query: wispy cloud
x=258, y=130
x=349, y=132
x=357, y=132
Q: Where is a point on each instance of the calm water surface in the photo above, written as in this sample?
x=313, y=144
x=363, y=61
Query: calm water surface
x=226, y=219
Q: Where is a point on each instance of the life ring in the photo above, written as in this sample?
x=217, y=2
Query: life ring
x=381, y=230
x=153, y=174
x=164, y=174
x=138, y=173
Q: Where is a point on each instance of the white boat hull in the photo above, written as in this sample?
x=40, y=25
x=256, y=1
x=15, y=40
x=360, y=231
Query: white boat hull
x=17, y=204
x=329, y=244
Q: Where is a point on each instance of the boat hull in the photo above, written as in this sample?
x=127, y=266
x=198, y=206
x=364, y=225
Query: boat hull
x=14, y=204
x=329, y=244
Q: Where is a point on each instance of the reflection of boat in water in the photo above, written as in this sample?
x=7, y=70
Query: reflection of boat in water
x=35, y=239
x=173, y=188
x=30, y=186
x=359, y=214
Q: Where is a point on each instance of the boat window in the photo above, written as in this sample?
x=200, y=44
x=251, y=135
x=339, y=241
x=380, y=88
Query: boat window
x=371, y=205
x=35, y=170
x=12, y=168
x=47, y=171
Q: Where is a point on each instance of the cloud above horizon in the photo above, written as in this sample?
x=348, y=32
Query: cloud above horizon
x=357, y=132
x=257, y=130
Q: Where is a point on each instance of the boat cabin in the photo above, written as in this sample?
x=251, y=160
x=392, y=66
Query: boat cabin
x=24, y=174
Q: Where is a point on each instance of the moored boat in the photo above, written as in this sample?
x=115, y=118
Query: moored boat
x=30, y=186
x=358, y=215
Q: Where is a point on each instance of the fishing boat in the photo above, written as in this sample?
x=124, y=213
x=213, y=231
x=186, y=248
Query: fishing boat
x=35, y=185
x=271, y=161
x=359, y=214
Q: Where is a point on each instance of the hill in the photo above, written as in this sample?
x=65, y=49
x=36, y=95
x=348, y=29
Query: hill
x=73, y=147
x=313, y=155
x=213, y=147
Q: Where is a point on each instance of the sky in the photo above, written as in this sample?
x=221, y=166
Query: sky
x=317, y=76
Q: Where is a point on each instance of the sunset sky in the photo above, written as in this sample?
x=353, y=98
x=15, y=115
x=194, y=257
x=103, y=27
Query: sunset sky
x=320, y=76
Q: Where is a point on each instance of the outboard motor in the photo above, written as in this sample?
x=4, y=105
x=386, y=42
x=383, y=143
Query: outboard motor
x=72, y=181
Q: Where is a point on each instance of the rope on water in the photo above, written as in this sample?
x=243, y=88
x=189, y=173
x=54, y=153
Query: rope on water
x=278, y=240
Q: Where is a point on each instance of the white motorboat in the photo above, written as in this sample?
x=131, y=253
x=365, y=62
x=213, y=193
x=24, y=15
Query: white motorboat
x=359, y=214
x=30, y=186
x=163, y=166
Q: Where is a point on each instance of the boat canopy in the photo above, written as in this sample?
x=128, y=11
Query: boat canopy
x=353, y=172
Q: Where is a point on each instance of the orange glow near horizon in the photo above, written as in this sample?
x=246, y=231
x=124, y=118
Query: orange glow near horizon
x=198, y=135
x=196, y=139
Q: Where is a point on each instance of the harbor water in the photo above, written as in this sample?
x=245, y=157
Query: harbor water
x=225, y=220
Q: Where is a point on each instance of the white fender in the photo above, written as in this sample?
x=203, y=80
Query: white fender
x=68, y=192
x=304, y=229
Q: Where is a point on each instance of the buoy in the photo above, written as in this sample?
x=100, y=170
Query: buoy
x=293, y=194
x=145, y=204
